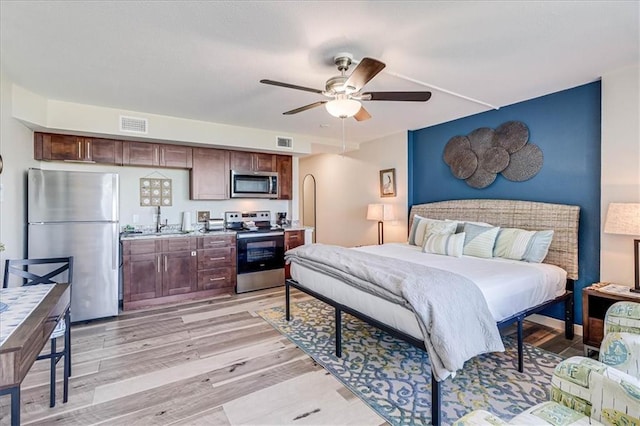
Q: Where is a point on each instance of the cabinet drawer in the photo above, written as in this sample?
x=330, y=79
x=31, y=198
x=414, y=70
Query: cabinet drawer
x=138, y=247
x=216, y=278
x=176, y=244
x=216, y=258
x=216, y=241
x=293, y=239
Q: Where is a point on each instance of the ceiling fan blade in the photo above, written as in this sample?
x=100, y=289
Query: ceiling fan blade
x=304, y=108
x=396, y=96
x=364, y=72
x=290, y=86
x=362, y=115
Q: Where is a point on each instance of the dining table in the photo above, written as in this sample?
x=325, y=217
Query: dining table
x=28, y=315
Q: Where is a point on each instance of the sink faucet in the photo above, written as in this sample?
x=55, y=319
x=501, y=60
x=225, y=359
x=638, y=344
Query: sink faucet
x=159, y=224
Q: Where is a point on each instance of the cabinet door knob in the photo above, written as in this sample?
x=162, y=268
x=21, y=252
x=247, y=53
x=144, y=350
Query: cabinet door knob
x=217, y=279
x=216, y=258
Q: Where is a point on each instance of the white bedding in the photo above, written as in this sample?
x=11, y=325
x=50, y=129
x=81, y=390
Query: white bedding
x=508, y=286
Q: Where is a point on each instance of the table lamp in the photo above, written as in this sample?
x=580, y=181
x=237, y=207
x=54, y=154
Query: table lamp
x=624, y=219
x=380, y=212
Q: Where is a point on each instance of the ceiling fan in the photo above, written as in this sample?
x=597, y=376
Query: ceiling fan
x=345, y=91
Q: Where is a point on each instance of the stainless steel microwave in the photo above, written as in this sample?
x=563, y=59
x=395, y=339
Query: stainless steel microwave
x=254, y=184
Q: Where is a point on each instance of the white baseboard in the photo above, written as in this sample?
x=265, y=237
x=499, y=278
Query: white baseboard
x=553, y=323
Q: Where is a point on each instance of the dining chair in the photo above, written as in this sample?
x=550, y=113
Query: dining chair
x=32, y=273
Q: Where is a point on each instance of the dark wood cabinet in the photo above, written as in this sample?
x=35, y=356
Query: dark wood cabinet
x=209, y=167
x=54, y=147
x=594, y=308
x=252, y=161
x=178, y=266
x=154, y=269
x=157, y=271
x=285, y=176
x=141, y=270
x=209, y=177
x=156, y=155
x=217, y=263
x=292, y=239
x=176, y=156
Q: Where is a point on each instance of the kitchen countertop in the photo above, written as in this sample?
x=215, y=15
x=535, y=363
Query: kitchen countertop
x=296, y=228
x=143, y=236
x=124, y=236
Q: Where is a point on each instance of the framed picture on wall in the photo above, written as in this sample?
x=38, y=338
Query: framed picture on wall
x=388, y=183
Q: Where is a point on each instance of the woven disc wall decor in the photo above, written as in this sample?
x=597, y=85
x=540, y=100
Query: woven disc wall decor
x=464, y=164
x=524, y=164
x=495, y=159
x=481, y=140
x=481, y=178
x=512, y=136
x=482, y=154
x=452, y=147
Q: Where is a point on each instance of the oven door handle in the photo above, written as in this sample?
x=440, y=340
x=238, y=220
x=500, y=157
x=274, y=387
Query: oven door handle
x=259, y=234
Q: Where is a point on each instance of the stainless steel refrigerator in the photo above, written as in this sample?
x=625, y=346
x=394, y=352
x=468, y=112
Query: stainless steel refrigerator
x=76, y=214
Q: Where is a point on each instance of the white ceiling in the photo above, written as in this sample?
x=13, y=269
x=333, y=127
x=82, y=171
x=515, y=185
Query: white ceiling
x=203, y=60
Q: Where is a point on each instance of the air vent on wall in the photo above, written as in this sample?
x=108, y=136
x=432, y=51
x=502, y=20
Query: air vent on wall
x=133, y=124
x=284, y=142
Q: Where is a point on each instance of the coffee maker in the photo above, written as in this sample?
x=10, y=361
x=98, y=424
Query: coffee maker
x=281, y=218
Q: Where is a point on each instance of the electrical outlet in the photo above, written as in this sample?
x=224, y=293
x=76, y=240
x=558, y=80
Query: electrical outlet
x=136, y=218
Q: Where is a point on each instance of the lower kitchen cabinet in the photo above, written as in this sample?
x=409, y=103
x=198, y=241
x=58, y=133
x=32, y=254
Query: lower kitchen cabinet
x=158, y=271
x=292, y=239
x=217, y=263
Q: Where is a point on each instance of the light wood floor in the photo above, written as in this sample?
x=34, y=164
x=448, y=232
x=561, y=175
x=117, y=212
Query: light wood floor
x=211, y=362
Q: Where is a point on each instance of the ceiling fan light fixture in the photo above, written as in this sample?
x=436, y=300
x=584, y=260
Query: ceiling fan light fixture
x=342, y=108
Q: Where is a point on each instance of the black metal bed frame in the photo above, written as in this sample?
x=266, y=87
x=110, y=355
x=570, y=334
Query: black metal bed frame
x=436, y=391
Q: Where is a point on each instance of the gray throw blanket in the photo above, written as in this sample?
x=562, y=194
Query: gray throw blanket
x=454, y=318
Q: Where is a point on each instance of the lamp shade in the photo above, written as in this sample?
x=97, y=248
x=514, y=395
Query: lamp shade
x=623, y=218
x=380, y=212
x=343, y=107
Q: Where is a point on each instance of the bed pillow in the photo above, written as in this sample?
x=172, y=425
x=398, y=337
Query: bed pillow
x=538, y=247
x=479, y=240
x=460, y=224
x=422, y=226
x=447, y=244
x=519, y=244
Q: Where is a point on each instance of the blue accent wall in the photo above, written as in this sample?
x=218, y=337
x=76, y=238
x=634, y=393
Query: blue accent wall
x=566, y=127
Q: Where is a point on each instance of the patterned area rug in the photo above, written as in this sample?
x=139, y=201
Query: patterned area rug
x=394, y=378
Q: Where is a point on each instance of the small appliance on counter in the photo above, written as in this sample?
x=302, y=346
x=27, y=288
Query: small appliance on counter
x=214, y=225
x=281, y=218
x=186, y=222
x=260, y=250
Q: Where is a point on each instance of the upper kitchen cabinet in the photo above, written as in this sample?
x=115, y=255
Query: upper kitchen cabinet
x=54, y=147
x=158, y=155
x=209, y=177
x=252, y=161
x=285, y=176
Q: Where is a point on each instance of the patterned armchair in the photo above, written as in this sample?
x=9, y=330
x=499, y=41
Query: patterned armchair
x=589, y=392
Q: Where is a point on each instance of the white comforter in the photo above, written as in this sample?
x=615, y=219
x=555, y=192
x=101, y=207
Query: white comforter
x=508, y=286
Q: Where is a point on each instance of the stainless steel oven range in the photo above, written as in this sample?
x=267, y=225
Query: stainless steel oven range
x=260, y=250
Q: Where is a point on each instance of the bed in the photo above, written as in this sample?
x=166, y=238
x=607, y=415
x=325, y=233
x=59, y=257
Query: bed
x=512, y=289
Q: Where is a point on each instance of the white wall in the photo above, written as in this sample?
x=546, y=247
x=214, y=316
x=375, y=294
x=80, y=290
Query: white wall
x=620, y=178
x=16, y=148
x=347, y=183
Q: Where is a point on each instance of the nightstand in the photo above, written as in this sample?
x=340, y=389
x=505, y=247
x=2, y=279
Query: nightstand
x=594, y=307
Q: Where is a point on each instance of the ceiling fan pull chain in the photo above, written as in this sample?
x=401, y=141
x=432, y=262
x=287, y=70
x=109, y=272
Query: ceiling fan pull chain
x=344, y=146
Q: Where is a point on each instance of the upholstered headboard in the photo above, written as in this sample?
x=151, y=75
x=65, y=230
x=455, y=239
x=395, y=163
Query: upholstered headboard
x=529, y=215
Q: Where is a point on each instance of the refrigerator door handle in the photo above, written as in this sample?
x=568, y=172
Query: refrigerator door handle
x=114, y=244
